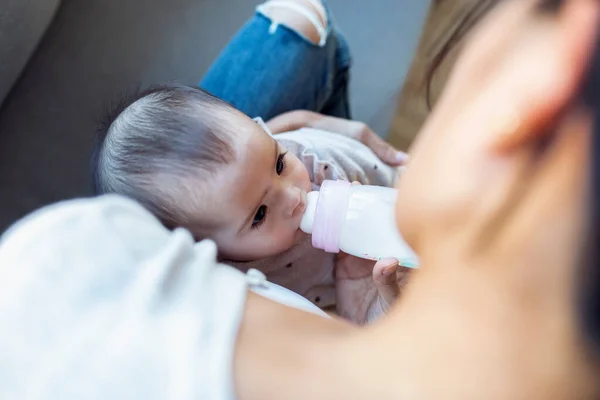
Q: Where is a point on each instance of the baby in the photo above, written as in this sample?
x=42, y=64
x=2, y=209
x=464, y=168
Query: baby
x=196, y=162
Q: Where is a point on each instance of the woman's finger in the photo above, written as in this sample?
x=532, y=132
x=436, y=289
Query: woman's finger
x=384, y=277
x=382, y=149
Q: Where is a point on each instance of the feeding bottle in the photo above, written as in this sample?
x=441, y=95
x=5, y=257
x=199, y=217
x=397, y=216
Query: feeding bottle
x=358, y=220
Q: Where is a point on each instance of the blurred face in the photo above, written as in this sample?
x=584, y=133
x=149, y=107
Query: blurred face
x=259, y=199
x=507, y=167
x=500, y=219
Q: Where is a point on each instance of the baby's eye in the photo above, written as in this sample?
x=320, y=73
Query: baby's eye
x=280, y=164
x=260, y=217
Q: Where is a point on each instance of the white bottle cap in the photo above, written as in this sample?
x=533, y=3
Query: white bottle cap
x=309, y=215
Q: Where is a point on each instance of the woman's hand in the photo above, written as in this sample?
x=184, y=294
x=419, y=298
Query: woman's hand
x=357, y=130
x=365, y=292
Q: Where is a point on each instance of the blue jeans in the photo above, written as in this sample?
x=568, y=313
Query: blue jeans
x=264, y=74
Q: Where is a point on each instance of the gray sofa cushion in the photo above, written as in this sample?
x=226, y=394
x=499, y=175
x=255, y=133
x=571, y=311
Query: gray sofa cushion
x=22, y=25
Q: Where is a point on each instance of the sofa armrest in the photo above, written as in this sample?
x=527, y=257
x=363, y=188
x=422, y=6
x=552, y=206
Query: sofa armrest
x=22, y=26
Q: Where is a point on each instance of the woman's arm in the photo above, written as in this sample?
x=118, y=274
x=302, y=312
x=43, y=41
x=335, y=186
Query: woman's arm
x=293, y=120
x=284, y=353
x=357, y=130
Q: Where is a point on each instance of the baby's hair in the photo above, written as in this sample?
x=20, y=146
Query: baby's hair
x=155, y=145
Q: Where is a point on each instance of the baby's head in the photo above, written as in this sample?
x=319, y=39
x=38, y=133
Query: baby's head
x=197, y=162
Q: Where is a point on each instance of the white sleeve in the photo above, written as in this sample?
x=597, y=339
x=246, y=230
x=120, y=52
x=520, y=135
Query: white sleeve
x=99, y=301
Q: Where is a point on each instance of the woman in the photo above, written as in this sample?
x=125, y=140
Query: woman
x=499, y=224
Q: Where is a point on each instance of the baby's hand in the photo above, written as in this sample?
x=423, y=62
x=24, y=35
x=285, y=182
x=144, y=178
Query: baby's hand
x=366, y=291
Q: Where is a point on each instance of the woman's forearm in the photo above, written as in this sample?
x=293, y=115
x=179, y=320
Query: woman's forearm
x=293, y=120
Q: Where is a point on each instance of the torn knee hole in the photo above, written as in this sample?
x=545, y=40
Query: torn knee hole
x=306, y=17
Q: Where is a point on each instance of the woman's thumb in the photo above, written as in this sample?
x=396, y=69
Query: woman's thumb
x=386, y=152
x=384, y=277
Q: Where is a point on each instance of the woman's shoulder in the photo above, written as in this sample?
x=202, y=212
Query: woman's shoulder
x=110, y=267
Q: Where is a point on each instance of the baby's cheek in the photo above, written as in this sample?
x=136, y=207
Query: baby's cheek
x=283, y=237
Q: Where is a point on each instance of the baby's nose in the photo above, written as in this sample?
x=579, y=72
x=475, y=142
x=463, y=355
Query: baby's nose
x=293, y=200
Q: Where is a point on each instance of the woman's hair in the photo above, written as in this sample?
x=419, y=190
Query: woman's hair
x=478, y=10
x=590, y=279
x=456, y=35
x=158, y=145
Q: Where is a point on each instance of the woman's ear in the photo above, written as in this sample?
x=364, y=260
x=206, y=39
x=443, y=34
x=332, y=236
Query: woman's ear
x=567, y=38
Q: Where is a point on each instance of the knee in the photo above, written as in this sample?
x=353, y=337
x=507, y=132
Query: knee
x=306, y=17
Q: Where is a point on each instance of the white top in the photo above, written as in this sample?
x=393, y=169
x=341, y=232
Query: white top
x=99, y=301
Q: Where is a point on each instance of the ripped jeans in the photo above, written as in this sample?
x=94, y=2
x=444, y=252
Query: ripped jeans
x=265, y=74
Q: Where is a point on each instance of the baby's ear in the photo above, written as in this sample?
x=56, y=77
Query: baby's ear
x=566, y=38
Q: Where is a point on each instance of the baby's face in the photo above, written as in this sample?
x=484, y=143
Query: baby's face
x=259, y=199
